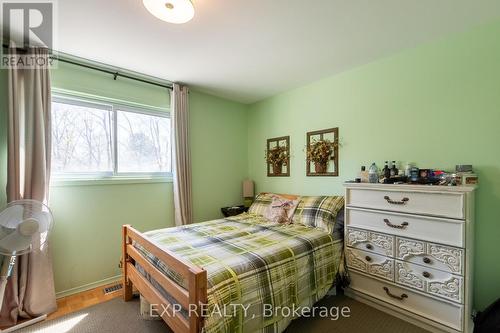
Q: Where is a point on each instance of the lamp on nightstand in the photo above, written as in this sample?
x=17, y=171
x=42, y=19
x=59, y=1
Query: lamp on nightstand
x=248, y=192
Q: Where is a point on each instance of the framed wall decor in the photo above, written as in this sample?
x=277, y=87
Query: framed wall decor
x=278, y=157
x=322, y=153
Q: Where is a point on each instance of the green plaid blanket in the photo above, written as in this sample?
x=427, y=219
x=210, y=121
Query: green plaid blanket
x=253, y=266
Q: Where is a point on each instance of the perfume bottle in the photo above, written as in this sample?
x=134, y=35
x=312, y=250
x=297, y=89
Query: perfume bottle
x=363, y=175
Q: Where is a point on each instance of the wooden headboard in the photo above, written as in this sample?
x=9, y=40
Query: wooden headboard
x=287, y=196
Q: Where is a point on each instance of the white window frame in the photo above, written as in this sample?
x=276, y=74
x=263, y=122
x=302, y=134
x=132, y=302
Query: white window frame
x=114, y=106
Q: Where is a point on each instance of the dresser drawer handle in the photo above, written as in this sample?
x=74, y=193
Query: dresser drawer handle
x=369, y=246
x=394, y=202
x=400, y=226
x=427, y=260
x=402, y=297
x=367, y=258
x=426, y=275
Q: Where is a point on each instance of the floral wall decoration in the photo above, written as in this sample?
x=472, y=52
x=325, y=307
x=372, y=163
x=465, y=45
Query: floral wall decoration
x=322, y=153
x=278, y=157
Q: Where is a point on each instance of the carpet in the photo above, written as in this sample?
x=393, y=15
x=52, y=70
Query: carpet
x=362, y=318
x=123, y=317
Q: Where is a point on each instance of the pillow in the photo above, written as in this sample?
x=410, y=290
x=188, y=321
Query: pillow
x=260, y=204
x=319, y=212
x=281, y=210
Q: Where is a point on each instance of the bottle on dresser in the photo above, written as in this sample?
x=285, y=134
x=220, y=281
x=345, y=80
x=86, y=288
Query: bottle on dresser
x=394, y=170
x=363, y=175
x=408, y=169
x=373, y=173
x=386, y=171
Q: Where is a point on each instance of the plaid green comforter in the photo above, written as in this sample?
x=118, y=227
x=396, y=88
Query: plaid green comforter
x=253, y=263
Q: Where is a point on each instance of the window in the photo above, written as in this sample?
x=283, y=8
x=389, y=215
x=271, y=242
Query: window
x=81, y=137
x=96, y=139
x=143, y=143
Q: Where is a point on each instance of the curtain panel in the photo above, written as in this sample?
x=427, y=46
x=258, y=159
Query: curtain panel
x=30, y=290
x=181, y=166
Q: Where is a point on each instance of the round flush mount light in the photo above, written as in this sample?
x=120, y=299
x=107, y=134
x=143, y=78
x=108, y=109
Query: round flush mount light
x=172, y=11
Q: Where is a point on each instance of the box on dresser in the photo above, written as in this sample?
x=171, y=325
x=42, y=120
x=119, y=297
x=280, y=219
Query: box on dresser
x=409, y=252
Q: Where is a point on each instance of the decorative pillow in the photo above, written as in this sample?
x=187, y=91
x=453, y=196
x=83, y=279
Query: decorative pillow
x=281, y=210
x=260, y=204
x=319, y=212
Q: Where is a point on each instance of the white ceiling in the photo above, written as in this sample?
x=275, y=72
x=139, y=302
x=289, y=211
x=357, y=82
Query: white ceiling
x=249, y=50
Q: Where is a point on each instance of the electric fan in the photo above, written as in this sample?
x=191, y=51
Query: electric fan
x=24, y=226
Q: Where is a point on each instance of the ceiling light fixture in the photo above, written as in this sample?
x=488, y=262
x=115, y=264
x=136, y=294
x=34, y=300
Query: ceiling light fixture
x=172, y=11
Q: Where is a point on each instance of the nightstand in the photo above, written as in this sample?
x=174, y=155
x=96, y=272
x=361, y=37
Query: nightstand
x=234, y=210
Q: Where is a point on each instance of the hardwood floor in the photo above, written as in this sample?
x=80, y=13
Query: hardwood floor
x=79, y=301
x=83, y=300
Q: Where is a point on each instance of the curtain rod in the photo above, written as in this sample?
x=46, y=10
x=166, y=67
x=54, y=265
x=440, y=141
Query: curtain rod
x=115, y=74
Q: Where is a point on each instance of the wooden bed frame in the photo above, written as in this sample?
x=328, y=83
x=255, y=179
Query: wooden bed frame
x=196, y=277
x=193, y=298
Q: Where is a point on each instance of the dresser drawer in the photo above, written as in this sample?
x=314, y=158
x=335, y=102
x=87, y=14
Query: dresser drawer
x=434, y=282
x=438, y=230
x=448, y=314
x=443, y=204
x=370, y=241
x=436, y=256
x=370, y=263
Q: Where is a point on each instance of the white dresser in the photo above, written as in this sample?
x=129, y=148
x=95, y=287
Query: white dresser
x=409, y=252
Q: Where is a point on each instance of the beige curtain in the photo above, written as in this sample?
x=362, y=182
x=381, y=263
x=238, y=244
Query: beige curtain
x=30, y=290
x=181, y=167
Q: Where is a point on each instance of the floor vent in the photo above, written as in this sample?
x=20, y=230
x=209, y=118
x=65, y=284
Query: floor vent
x=113, y=288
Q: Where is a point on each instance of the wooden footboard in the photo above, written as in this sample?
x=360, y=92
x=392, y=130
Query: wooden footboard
x=191, y=299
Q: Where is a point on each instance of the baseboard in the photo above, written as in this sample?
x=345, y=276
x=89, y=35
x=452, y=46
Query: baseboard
x=88, y=286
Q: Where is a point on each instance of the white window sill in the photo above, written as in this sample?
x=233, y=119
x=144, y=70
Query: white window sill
x=61, y=182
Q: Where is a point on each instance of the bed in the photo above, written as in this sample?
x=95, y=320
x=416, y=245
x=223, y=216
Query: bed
x=236, y=274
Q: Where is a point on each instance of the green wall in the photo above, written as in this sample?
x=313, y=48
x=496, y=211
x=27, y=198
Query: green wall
x=86, y=239
x=218, y=153
x=437, y=105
